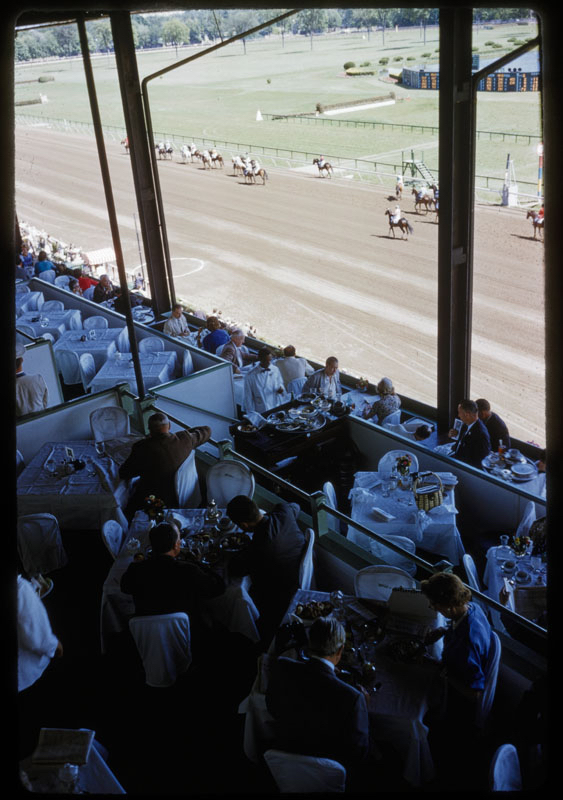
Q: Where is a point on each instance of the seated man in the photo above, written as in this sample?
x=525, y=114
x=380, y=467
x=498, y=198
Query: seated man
x=31, y=390
x=162, y=585
x=263, y=385
x=176, y=324
x=104, y=290
x=272, y=559
x=473, y=442
x=43, y=264
x=157, y=458
x=326, y=381
x=291, y=366
x=315, y=712
x=494, y=424
x=37, y=644
x=217, y=335
x=233, y=351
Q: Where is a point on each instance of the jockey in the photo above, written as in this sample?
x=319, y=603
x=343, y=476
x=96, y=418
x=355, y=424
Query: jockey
x=168, y=147
x=126, y=141
x=396, y=215
x=321, y=162
x=255, y=166
x=213, y=153
x=399, y=184
x=540, y=214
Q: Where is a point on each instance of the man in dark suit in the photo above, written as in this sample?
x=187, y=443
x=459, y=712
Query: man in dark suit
x=160, y=584
x=315, y=712
x=233, y=351
x=473, y=441
x=495, y=425
x=157, y=458
x=272, y=559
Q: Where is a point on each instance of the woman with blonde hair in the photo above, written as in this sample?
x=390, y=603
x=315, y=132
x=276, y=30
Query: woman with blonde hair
x=388, y=401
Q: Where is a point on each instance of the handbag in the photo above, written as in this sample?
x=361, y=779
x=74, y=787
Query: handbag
x=428, y=491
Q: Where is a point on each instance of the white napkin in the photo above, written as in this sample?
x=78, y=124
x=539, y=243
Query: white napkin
x=255, y=419
x=366, y=480
x=447, y=478
x=103, y=476
x=381, y=515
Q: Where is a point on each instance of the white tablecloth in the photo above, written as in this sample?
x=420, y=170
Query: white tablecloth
x=231, y=608
x=157, y=368
x=435, y=530
x=494, y=578
x=95, y=776
x=101, y=348
x=396, y=710
x=360, y=401
x=81, y=500
x=62, y=320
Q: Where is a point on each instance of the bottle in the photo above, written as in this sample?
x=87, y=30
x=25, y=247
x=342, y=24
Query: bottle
x=501, y=448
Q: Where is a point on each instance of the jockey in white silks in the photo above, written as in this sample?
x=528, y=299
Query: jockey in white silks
x=168, y=147
x=321, y=162
x=399, y=184
x=396, y=215
x=255, y=166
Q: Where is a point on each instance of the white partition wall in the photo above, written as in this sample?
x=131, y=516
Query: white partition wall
x=39, y=359
x=203, y=398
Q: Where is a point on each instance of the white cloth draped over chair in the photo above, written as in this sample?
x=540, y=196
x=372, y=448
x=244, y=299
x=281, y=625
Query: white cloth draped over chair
x=306, y=567
x=389, y=461
x=95, y=321
x=151, y=344
x=378, y=581
x=87, y=369
x=296, y=386
x=394, y=418
x=69, y=366
x=186, y=483
x=39, y=542
x=113, y=537
x=504, y=773
x=236, y=610
x=486, y=701
x=163, y=642
x=330, y=494
x=62, y=281
x=473, y=581
x=53, y=305
x=48, y=275
x=187, y=364
x=88, y=293
x=527, y=520
x=109, y=422
x=390, y=556
x=295, y=773
x=228, y=479
x=27, y=329
x=122, y=342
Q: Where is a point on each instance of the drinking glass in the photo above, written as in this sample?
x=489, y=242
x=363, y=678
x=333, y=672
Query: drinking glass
x=99, y=446
x=50, y=466
x=92, y=334
x=503, y=552
x=43, y=321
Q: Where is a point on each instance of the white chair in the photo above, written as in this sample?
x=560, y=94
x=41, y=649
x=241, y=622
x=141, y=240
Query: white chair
x=39, y=543
x=473, y=581
x=220, y=349
x=62, y=281
x=306, y=567
x=151, y=344
x=20, y=463
x=227, y=479
x=296, y=386
x=48, y=275
x=504, y=772
x=53, y=305
x=330, y=494
x=188, y=363
x=295, y=773
x=69, y=367
x=25, y=329
x=527, y=520
x=87, y=369
x=378, y=581
x=163, y=642
x=49, y=336
x=88, y=293
x=389, y=460
x=186, y=483
x=486, y=702
x=22, y=288
x=109, y=422
x=94, y=322
x=122, y=341
x=390, y=557
x=394, y=418
x=113, y=536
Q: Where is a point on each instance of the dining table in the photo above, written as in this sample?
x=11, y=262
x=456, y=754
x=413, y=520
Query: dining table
x=523, y=577
x=157, y=368
x=202, y=541
x=516, y=469
x=403, y=681
x=386, y=509
x=83, y=498
x=102, y=346
x=40, y=321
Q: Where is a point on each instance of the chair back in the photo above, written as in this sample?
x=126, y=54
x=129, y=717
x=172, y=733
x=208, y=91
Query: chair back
x=109, y=423
x=186, y=483
x=295, y=773
x=69, y=366
x=394, y=418
x=188, y=363
x=473, y=581
x=390, y=557
x=48, y=275
x=378, y=581
x=27, y=329
x=504, y=772
x=220, y=349
x=151, y=344
x=95, y=322
x=330, y=494
x=389, y=460
x=20, y=463
x=306, y=567
x=227, y=479
x=122, y=341
x=296, y=386
x=163, y=642
x=62, y=281
x=87, y=369
x=53, y=305
x=88, y=293
x=39, y=544
x=112, y=536
x=22, y=288
x=486, y=702
x=528, y=519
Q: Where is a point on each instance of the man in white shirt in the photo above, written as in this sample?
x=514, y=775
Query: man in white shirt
x=37, y=644
x=263, y=385
x=176, y=324
x=31, y=390
x=326, y=381
x=292, y=366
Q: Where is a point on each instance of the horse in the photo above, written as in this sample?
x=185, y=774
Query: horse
x=205, y=159
x=250, y=176
x=188, y=151
x=164, y=150
x=403, y=224
x=125, y=143
x=422, y=198
x=398, y=190
x=217, y=159
x=325, y=167
x=238, y=165
x=537, y=222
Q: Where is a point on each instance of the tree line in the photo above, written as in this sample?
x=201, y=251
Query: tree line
x=210, y=25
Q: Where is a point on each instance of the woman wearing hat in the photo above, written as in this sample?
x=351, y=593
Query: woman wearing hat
x=388, y=401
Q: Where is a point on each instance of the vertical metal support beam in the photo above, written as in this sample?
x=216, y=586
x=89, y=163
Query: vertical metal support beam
x=455, y=236
x=140, y=159
x=108, y=191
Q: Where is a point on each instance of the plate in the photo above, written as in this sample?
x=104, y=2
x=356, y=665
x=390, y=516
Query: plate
x=312, y=424
x=234, y=542
x=289, y=427
x=307, y=397
x=247, y=429
x=523, y=470
x=308, y=411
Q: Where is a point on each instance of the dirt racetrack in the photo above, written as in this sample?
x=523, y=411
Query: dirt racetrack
x=309, y=261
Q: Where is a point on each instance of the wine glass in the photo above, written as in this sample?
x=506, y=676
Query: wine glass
x=99, y=447
x=43, y=321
